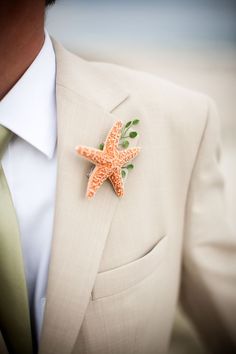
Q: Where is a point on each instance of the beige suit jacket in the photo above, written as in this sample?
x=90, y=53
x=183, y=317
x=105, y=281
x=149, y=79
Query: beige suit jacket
x=119, y=266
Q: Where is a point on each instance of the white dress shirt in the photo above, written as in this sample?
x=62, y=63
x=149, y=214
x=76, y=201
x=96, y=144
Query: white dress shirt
x=29, y=163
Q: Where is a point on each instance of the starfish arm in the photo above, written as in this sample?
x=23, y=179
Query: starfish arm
x=94, y=155
x=117, y=182
x=113, y=138
x=128, y=155
x=96, y=179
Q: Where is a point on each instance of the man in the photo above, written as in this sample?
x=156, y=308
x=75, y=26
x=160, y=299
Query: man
x=103, y=275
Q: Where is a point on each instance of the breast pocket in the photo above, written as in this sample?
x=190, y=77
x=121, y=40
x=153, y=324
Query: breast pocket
x=114, y=281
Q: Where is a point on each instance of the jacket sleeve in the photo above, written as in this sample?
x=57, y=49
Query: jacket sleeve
x=208, y=287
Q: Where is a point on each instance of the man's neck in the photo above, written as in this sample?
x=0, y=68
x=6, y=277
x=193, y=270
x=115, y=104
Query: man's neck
x=22, y=37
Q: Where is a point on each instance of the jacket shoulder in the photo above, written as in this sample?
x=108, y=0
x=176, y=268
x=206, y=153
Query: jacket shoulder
x=145, y=90
x=150, y=89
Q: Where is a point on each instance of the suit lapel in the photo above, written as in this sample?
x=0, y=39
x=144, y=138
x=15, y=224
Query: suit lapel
x=81, y=226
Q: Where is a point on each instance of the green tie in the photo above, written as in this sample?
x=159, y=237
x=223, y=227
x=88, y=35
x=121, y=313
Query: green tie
x=14, y=309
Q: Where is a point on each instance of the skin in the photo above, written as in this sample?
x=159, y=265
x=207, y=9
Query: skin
x=22, y=37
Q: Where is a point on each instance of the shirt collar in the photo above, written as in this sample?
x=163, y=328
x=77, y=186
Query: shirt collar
x=29, y=108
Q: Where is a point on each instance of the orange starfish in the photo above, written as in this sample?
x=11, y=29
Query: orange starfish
x=108, y=162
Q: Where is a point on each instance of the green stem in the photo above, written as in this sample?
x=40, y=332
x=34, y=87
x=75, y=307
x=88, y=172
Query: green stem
x=124, y=132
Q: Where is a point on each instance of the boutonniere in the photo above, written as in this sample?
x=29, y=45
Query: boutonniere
x=111, y=158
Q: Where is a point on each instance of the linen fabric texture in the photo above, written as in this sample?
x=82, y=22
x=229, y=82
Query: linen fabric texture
x=119, y=266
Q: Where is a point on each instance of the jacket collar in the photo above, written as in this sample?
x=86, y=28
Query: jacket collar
x=87, y=79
